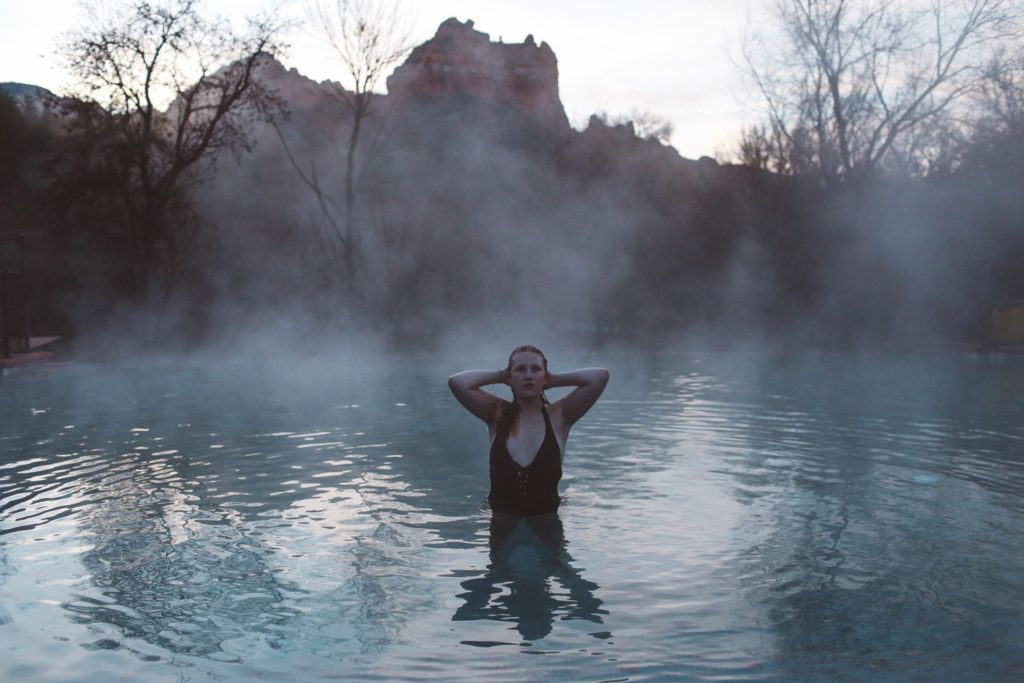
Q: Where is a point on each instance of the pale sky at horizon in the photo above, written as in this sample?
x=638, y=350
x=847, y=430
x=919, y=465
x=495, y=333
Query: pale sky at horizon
x=671, y=58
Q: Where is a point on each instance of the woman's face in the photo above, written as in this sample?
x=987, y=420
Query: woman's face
x=527, y=374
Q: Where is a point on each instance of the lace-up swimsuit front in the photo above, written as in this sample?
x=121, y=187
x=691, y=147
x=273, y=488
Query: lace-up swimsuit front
x=529, y=490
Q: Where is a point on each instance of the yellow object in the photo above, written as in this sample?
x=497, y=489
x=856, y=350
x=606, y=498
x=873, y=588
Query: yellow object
x=1008, y=324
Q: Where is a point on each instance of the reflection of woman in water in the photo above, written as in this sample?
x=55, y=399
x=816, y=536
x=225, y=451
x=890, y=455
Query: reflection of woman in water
x=527, y=543
x=525, y=553
x=528, y=435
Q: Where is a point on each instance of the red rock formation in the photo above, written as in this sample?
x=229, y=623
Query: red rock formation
x=297, y=91
x=462, y=60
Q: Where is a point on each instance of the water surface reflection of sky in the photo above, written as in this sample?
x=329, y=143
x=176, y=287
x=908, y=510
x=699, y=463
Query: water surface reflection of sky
x=724, y=516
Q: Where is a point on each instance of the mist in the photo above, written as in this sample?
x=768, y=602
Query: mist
x=486, y=222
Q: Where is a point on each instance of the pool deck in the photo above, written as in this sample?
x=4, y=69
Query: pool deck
x=24, y=358
x=32, y=355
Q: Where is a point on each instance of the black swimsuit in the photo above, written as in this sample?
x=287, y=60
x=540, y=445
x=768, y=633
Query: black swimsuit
x=530, y=490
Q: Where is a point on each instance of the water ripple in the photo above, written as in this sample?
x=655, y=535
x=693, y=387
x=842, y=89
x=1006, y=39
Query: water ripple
x=793, y=519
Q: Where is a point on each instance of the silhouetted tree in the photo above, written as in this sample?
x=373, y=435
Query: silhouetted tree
x=14, y=142
x=644, y=124
x=852, y=87
x=647, y=125
x=1003, y=94
x=160, y=91
x=366, y=38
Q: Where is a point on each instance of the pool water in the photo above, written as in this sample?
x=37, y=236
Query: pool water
x=725, y=517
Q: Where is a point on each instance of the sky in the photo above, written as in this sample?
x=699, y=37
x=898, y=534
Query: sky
x=672, y=58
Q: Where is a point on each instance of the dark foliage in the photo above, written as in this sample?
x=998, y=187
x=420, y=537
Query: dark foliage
x=478, y=217
x=128, y=165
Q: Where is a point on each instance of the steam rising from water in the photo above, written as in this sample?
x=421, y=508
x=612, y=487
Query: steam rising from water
x=479, y=227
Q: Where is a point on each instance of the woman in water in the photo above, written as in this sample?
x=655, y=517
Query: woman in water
x=528, y=434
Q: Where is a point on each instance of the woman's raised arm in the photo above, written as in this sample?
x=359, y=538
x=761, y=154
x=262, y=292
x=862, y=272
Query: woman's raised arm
x=466, y=387
x=589, y=383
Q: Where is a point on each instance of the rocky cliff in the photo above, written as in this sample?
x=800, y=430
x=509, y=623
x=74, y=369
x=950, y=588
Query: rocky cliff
x=459, y=60
x=30, y=98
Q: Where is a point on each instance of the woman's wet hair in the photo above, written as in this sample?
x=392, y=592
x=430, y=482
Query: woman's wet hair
x=507, y=416
x=531, y=349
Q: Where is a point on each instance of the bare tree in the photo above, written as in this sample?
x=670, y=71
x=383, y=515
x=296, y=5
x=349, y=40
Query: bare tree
x=1003, y=94
x=160, y=91
x=645, y=124
x=366, y=38
x=762, y=147
x=650, y=126
x=855, y=87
